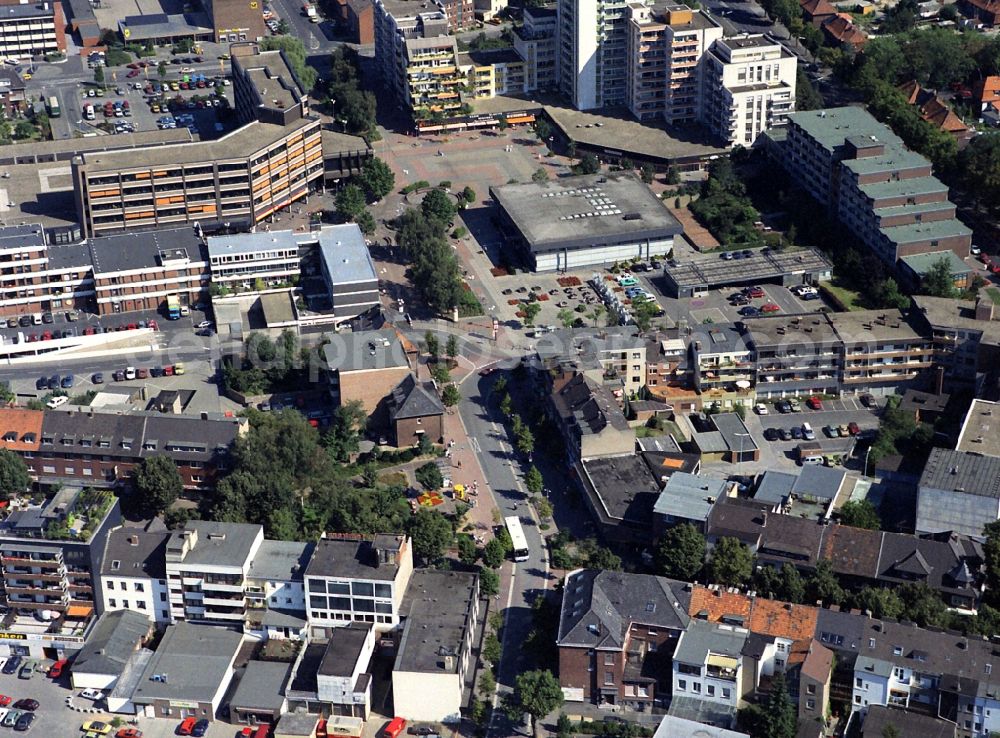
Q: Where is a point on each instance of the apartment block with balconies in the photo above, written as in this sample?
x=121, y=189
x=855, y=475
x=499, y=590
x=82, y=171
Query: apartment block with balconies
x=708, y=664
x=748, y=87
x=275, y=592
x=208, y=565
x=883, y=350
x=593, y=53
x=434, y=80
x=722, y=366
x=536, y=43
x=666, y=43
x=38, y=276
x=795, y=355
x=32, y=29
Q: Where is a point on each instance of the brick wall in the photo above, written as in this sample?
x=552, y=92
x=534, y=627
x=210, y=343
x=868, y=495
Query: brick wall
x=406, y=430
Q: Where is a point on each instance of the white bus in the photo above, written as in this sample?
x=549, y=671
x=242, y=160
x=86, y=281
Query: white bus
x=520, y=543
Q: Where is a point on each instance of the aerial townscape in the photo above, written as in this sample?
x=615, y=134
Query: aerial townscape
x=494, y=368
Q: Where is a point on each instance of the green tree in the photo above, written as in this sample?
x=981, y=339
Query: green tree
x=99, y=74
x=731, y=563
x=487, y=683
x=567, y=317
x=647, y=173
x=489, y=582
x=991, y=556
x=525, y=440
x=350, y=202
x=938, y=281
x=540, y=175
x=366, y=222
x=157, y=484
x=881, y=602
x=890, y=730
x=438, y=206
x=537, y=693
x=545, y=509
x=979, y=164
x=589, y=164
x=344, y=433
x=605, y=559
x=14, y=477
x=492, y=649
x=494, y=552
x=791, y=587
x=432, y=344
x=533, y=480
x=643, y=313
x=440, y=373
x=468, y=194
x=377, y=178
x=161, y=69
x=860, y=514
x=531, y=311
x=923, y=605
x=681, y=552
x=450, y=396
x=431, y=534
x=451, y=347
x=887, y=294
x=823, y=585
x=780, y=710
x=429, y=475
x=806, y=95
x=467, y=551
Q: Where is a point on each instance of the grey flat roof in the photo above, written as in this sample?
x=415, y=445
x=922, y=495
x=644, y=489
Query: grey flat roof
x=281, y=560
x=344, y=649
x=39, y=10
x=963, y=472
x=625, y=485
x=818, y=482
x=161, y=25
x=297, y=723
x=875, y=325
x=931, y=229
x=253, y=243
x=365, y=351
x=830, y=127
x=28, y=236
x=64, y=149
x=903, y=187
x=702, y=638
x=335, y=142
x=219, y=544
x=587, y=210
x=348, y=559
x=791, y=330
x=922, y=263
x=711, y=271
x=980, y=429
x=686, y=496
x=69, y=256
x=262, y=686
x=893, y=160
x=345, y=254
x=437, y=607
x=135, y=552
x=115, y=637
x=241, y=144
x=141, y=250
x=673, y=726
x=196, y=660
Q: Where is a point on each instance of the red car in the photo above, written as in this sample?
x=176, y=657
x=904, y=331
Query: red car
x=56, y=670
x=770, y=307
x=133, y=73
x=755, y=292
x=152, y=324
x=88, y=331
x=5, y=700
x=186, y=726
x=168, y=371
x=853, y=428
x=129, y=733
x=133, y=65
x=815, y=403
x=394, y=728
x=47, y=336
x=985, y=258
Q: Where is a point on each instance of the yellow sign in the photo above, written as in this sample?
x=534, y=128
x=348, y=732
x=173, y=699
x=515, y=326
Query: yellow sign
x=126, y=33
x=184, y=705
x=13, y=636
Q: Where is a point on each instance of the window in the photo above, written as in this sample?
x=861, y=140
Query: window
x=858, y=682
x=897, y=650
x=609, y=659
x=112, y=602
x=810, y=689
x=711, y=690
x=682, y=685
x=111, y=584
x=726, y=693
x=138, y=587
x=609, y=677
x=857, y=699
x=810, y=704
x=141, y=605
x=696, y=686
x=651, y=647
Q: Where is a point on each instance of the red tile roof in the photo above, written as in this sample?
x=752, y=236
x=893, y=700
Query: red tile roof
x=718, y=603
x=843, y=31
x=783, y=619
x=20, y=429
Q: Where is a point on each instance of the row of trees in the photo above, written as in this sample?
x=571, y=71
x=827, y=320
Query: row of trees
x=681, y=555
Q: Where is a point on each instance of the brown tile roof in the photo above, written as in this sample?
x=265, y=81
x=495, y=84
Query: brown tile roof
x=910, y=90
x=987, y=90
x=841, y=29
x=717, y=603
x=782, y=619
x=813, y=8
x=932, y=108
x=852, y=551
x=815, y=658
x=20, y=430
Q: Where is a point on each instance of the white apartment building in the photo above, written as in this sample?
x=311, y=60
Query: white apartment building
x=666, y=43
x=341, y=680
x=707, y=663
x=748, y=86
x=207, y=567
x=275, y=592
x=133, y=573
x=592, y=52
x=353, y=579
x=272, y=257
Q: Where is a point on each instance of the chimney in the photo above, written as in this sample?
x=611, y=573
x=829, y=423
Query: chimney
x=939, y=381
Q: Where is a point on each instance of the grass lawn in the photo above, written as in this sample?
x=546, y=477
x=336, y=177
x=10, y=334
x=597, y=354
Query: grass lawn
x=850, y=299
x=393, y=479
x=994, y=294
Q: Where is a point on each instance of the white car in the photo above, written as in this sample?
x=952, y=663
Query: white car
x=760, y=408
x=3, y=712
x=130, y=372
x=57, y=402
x=204, y=324
x=975, y=250
x=92, y=694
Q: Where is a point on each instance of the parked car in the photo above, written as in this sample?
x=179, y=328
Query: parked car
x=844, y=430
x=761, y=408
x=142, y=373
x=54, y=382
x=756, y=292
x=831, y=431
x=771, y=434
x=23, y=724
x=27, y=704
x=56, y=670
x=815, y=403
x=853, y=428
x=794, y=405
x=5, y=700
x=96, y=726
x=869, y=401
x=91, y=694
x=186, y=726
x=119, y=375
x=97, y=378
x=11, y=718
x=27, y=670
x=12, y=664
x=770, y=307
x=67, y=381
x=41, y=383
x=797, y=433
x=394, y=728
x=786, y=435
x=783, y=406
x=200, y=728
x=749, y=311
x=130, y=733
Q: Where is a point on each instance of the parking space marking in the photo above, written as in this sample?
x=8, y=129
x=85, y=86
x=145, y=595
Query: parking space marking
x=715, y=315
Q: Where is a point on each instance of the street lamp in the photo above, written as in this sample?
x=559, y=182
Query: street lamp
x=866, y=459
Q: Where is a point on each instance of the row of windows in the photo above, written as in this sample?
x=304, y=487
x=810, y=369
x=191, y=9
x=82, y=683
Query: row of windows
x=358, y=589
x=682, y=686
x=356, y=604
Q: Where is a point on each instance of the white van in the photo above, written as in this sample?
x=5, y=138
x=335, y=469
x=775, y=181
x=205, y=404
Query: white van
x=808, y=433
x=130, y=372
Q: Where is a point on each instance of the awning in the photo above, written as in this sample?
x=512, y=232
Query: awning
x=723, y=662
x=78, y=611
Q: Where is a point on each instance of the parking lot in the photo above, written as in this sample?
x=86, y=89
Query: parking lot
x=836, y=413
